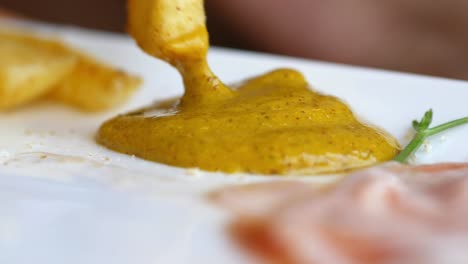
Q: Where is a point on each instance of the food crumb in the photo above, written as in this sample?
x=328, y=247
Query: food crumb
x=427, y=146
x=193, y=172
x=102, y=160
x=4, y=156
x=33, y=146
x=412, y=158
x=28, y=132
x=106, y=160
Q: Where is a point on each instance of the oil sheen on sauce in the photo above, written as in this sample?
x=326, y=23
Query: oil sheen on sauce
x=271, y=124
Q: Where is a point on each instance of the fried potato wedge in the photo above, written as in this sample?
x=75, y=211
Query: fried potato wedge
x=60, y=72
x=169, y=29
x=175, y=31
x=28, y=72
x=93, y=86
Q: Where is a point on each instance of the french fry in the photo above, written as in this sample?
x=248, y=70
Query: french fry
x=175, y=31
x=169, y=29
x=32, y=67
x=93, y=86
x=28, y=72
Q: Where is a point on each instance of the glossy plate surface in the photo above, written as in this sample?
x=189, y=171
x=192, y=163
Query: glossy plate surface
x=64, y=199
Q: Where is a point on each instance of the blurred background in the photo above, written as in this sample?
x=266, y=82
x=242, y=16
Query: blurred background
x=420, y=36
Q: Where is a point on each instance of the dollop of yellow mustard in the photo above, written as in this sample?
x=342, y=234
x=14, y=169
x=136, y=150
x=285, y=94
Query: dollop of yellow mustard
x=272, y=124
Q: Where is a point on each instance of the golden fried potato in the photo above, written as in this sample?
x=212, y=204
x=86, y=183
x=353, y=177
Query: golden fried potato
x=175, y=31
x=169, y=29
x=93, y=86
x=28, y=72
x=60, y=72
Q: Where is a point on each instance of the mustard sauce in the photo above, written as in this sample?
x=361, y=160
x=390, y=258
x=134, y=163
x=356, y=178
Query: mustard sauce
x=271, y=124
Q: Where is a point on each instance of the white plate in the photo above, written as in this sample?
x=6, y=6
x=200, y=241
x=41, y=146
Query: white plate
x=64, y=199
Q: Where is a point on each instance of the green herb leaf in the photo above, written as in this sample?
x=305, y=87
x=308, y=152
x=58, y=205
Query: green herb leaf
x=423, y=131
x=426, y=120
